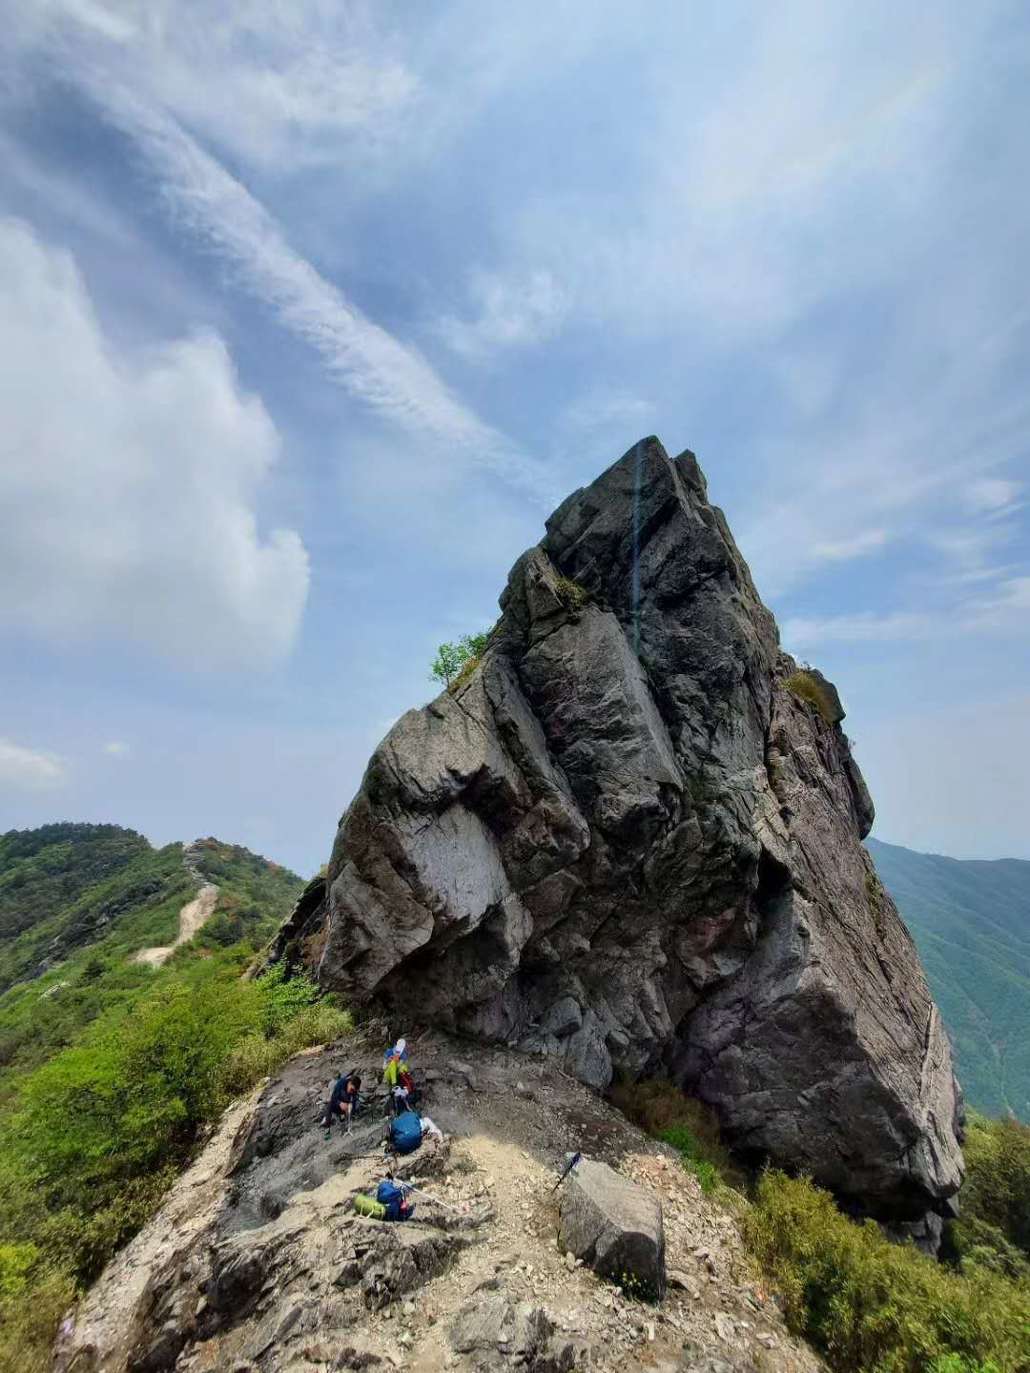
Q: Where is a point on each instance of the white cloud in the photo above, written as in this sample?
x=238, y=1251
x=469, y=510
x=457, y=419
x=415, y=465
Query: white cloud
x=1004, y=611
x=598, y=411
x=993, y=496
x=117, y=748
x=30, y=768
x=868, y=626
x=511, y=312
x=952, y=779
x=856, y=546
x=129, y=483
x=284, y=87
x=1010, y=603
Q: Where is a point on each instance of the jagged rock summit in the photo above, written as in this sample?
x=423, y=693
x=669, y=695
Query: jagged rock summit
x=631, y=839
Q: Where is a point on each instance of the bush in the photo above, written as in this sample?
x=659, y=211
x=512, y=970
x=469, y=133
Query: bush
x=806, y=686
x=283, y=997
x=871, y=1306
x=571, y=594
x=27, y=1325
x=995, y=1213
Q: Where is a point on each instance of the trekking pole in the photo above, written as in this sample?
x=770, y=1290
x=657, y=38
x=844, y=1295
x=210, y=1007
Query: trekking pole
x=576, y=1158
x=428, y=1196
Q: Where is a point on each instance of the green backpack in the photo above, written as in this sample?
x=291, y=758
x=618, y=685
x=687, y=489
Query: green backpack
x=368, y=1206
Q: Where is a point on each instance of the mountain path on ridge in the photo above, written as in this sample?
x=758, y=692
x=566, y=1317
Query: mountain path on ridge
x=192, y=918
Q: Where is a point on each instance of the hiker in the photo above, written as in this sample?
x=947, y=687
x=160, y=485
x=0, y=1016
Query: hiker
x=397, y=1076
x=395, y=1062
x=344, y=1101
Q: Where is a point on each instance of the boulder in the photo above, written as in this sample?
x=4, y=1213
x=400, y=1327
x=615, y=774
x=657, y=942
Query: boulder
x=614, y=1225
x=626, y=840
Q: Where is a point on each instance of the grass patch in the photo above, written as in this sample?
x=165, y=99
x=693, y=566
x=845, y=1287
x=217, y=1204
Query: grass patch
x=692, y=1156
x=690, y=1127
x=464, y=673
x=806, y=686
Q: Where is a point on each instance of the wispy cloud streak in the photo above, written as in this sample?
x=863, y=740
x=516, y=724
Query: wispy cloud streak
x=390, y=377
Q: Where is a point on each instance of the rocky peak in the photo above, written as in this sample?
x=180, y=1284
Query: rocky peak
x=630, y=841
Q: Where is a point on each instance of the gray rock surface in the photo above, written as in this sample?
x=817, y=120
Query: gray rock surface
x=625, y=842
x=218, y=1282
x=497, y=1332
x=614, y=1225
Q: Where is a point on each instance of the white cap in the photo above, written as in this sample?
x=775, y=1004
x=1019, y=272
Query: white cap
x=402, y=1044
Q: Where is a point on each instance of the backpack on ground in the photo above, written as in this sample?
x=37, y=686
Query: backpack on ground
x=366, y=1206
x=405, y=1133
x=394, y=1199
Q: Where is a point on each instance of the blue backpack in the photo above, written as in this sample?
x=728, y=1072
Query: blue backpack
x=405, y=1133
x=392, y=1197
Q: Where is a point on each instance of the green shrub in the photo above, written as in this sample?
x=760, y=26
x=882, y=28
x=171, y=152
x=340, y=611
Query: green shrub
x=283, y=997
x=259, y=1055
x=995, y=1200
x=571, y=594
x=28, y=1320
x=871, y=1306
x=806, y=686
x=955, y=1363
x=16, y=1262
x=660, y=1108
x=692, y=1156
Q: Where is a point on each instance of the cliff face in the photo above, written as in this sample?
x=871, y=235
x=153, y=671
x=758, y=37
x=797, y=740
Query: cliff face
x=625, y=841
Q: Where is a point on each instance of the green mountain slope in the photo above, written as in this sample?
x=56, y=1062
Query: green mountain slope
x=971, y=922
x=78, y=901
x=111, y=1067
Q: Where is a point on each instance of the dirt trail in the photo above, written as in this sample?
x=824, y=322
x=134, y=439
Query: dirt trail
x=193, y=916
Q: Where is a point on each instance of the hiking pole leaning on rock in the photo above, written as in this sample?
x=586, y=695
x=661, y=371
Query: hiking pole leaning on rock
x=569, y=1168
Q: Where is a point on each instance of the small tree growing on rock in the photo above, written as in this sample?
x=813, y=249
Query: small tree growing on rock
x=447, y=663
x=457, y=660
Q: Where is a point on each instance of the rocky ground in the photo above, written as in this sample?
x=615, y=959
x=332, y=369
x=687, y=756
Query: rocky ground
x=257, y=1261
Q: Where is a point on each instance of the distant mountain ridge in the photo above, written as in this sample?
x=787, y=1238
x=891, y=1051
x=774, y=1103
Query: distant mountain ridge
x=970, y=919
x=67, y=886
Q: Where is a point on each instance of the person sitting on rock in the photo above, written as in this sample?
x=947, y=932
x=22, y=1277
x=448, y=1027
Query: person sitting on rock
x=344, y=1101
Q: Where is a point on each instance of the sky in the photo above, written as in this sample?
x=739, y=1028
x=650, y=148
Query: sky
x=311, y=311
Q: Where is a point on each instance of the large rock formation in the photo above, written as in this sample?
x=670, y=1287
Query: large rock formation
x=630, y=838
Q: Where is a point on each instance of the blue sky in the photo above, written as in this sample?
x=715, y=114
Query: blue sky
x=310, y=313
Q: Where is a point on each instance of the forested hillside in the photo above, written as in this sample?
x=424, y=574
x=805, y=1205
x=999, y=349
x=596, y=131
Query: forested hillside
x=971, y=922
